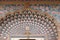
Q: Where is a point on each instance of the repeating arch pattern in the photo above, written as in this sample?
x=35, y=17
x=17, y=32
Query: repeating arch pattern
x=16, y=23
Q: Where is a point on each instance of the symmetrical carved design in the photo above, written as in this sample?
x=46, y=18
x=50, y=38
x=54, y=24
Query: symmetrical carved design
x=39, y=23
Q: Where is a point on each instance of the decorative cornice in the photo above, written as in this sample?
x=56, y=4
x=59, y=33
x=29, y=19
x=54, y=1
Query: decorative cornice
x=30, y=2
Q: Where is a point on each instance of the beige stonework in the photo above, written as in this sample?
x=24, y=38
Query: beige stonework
x=59, y=31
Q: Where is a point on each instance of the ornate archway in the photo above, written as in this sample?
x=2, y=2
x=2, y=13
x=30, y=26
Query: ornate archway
x=40, y=24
